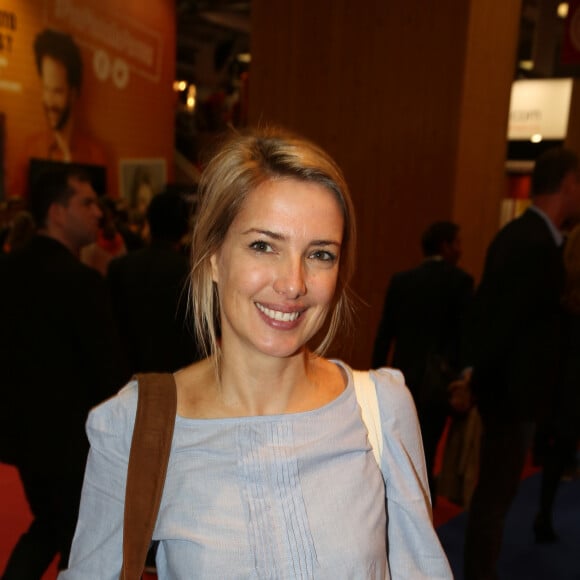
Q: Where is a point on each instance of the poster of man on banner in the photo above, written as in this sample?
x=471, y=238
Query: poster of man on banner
x=60, y=69
x=87, y=82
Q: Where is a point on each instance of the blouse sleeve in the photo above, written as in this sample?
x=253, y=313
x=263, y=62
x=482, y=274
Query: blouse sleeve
x=98, y=541
x=414, y=550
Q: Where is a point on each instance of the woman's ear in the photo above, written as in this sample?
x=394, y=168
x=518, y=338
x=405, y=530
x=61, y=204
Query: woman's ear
x=214, y=267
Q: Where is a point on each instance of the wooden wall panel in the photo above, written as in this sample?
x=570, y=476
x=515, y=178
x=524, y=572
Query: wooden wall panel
x=482, y=146
x=381, y=86
x=572, y=140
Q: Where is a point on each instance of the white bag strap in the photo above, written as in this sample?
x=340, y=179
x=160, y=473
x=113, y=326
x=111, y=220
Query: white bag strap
x=366, y=394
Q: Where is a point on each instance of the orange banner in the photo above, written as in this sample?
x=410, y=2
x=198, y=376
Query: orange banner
x=89, y=81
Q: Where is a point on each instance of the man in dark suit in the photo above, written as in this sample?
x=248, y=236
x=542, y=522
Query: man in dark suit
x=59, y=356
x=514, y=345
x=149, y=292
x=423, y=315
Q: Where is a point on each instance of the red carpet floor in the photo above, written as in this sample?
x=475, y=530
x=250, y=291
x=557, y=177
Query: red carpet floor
x=15, y=516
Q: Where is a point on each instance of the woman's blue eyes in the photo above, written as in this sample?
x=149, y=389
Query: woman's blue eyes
x=324, y=256
x=260, y=246
x=264, y=247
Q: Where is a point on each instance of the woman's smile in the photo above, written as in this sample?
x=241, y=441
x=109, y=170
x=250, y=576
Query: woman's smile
x=279, y=315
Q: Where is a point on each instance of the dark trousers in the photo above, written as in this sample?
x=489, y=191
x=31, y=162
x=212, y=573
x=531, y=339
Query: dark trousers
x=432, y=419
x=504, y=445
x=560, y=449
x=53, y=495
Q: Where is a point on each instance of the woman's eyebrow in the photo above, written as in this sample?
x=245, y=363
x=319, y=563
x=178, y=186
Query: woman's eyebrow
x=278, y=236
x=270, y=234
x=324, y=243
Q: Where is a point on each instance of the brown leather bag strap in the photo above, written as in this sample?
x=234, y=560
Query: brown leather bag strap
x=148, y=459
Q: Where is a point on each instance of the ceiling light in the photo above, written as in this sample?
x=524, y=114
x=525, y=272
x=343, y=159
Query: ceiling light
x=563, y=9
x=191, y=95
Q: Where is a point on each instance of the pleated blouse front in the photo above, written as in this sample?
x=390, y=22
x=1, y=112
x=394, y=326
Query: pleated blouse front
x=290, y=496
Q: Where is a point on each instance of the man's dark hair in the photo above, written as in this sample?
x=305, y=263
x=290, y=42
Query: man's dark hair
x=551, y=168
x=168, y=217
x=62, y=48
x=436, y=235
x=52, y=186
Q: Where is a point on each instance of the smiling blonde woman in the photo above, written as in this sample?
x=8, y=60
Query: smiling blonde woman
x=271, y=473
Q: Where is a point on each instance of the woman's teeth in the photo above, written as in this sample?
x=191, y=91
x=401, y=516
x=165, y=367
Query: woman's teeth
x=277, y=315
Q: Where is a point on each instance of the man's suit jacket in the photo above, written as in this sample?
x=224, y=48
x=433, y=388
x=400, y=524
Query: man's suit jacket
x=423, y=314
x=149, y=295
x=59, y=351
x=513, y=339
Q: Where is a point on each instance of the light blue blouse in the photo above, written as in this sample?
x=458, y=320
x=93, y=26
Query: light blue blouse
x=295, y=496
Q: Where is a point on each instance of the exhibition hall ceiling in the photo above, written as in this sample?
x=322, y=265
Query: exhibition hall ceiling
x=210, y=34
x=222, y=28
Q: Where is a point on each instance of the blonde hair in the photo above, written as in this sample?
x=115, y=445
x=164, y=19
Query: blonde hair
x=242, y=163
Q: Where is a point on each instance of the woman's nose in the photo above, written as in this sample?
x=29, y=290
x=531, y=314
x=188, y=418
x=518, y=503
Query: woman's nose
x=290, y=279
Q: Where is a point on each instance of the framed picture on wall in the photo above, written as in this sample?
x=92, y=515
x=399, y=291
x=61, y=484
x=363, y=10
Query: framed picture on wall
x=140, y=180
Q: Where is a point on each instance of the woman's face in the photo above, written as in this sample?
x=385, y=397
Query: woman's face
x=277, y=269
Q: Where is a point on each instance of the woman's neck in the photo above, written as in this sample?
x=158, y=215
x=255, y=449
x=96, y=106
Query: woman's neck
x=264, y=385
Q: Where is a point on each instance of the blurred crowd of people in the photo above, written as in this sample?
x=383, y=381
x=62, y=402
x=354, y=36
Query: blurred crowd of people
x=87, y=299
